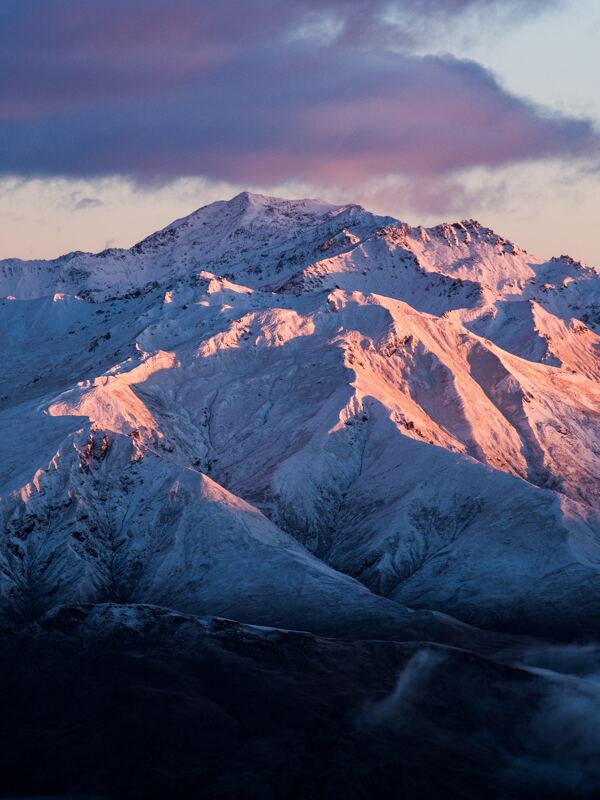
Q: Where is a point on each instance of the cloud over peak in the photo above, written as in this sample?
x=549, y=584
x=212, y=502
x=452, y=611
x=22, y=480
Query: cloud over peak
x=257, y=91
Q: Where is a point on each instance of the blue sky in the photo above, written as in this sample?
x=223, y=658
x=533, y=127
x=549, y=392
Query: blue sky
x=116, y=117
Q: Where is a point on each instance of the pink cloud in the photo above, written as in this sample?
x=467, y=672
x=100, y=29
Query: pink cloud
x=155, y=90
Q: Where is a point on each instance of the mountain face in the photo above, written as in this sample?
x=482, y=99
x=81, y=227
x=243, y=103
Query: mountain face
x=314, y=422
x=388, y=416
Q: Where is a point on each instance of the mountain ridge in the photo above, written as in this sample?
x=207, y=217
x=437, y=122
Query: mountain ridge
x=417, y=407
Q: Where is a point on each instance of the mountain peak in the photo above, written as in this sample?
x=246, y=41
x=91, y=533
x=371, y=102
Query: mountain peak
x=247, y=198
x=259, y=241
x=251, y=201
x=471, y=230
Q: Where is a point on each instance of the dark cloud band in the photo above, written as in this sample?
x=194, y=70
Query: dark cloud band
x=240, y=91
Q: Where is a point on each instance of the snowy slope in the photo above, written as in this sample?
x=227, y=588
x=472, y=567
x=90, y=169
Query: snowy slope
x=288, y=391
x=105, y=523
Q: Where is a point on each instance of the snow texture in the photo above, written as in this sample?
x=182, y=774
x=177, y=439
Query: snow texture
x=306, y=416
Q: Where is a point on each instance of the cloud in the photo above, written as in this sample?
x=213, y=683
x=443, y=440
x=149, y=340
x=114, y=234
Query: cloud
x=562, y=739
x=67, y=54
x=393, y=710
x=102, y=24
x=83, y=203
x=257, y=92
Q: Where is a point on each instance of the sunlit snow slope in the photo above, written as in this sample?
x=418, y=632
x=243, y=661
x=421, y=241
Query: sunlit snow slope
x=304, y=415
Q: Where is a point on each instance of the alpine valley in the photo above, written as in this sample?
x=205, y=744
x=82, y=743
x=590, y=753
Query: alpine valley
x=300, y=501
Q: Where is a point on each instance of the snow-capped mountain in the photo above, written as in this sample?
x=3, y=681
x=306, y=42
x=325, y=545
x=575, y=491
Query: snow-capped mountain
x=308, y=416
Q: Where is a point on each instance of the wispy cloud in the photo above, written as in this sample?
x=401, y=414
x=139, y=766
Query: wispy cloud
x=86, y=202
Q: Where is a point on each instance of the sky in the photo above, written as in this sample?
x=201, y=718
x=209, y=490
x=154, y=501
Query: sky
x=118, y=116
